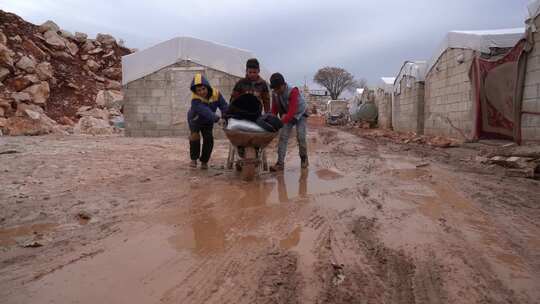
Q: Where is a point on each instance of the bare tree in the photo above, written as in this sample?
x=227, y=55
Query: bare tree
x=336, y=80
x=361, y=83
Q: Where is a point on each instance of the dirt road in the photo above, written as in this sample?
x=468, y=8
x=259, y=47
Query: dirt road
x=123, y=220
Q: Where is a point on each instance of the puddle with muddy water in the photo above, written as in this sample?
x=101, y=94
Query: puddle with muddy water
x=14, y=235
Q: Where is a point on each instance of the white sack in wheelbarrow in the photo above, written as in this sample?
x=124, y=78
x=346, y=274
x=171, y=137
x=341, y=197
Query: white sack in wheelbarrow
x=244, y=125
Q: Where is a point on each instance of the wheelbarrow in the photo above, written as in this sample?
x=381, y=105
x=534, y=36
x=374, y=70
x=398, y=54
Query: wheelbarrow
x=254, y=156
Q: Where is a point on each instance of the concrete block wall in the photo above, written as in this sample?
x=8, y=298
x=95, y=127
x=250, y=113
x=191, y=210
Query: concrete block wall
x=530, y=123
x=408, y=107
x=448, y=95
x=383, y=100
x=157, y=104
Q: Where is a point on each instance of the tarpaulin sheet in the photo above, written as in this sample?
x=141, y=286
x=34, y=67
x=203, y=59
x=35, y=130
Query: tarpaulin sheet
x=210, y=54
x=410, y=69
x=480, y=41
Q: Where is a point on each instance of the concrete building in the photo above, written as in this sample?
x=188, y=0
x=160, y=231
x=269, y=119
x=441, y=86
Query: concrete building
x=530, y=108
x=317, y=100
x=157, y=82
x=449, y=108
x=383, y=101
x=408, y=104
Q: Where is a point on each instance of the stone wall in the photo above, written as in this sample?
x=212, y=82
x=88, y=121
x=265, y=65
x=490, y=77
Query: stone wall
x=448, y=95
x=157, y=104
x=383, y=100
x=408, y=107
x=530, y=123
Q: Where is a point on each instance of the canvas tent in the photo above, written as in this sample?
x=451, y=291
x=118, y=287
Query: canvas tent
x=449, y=104
x=157, y=80
x=408, y=102
x=383, y=101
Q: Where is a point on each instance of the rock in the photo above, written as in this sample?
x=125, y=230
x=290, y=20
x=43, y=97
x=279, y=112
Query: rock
x=105, y=38
x=66, y=121
x=92, y=65
x=21, y=96
x=62, y=55
x=3, y=122
x=93, y=112
x=54, y=40
x=39, y=92
x=44, y=71
x=109, y=99
x=113, y=73
x=34, y=50
x=6, y=56
x=18, y=84
x=4, y=73
x=95, y=51
x=80, y=37
x=22, y=109
x=113, y=85
x=32, y=114
x=109, y=54
x=93, y=126
x=88, y=46
x=67, y=34
x=25, y=125
x=2, y=112
x=33, y=78
x=16, y=39
x=49, y=26
x=85, y=57
x=3, y=38
x=72, y=47
x=73, y=86
x=27, y=64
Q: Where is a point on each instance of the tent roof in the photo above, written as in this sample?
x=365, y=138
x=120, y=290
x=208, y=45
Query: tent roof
x=216, y=56
x=534, y=8
x=387, y=84
x=480, y=41
x=415, y=69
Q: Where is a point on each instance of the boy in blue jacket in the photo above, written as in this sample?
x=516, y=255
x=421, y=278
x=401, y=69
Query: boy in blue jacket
x=201, y=119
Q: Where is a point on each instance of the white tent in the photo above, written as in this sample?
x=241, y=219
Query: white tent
x=213, y=55
x=415, y=69
x=387, y=84
x=480, y=41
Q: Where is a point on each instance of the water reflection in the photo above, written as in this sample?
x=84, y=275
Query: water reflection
x=283, y=195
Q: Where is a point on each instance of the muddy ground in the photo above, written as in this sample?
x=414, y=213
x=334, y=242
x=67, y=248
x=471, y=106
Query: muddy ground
x=123, y=220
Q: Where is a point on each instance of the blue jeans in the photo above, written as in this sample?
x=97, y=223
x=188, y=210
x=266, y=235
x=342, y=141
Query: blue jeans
x=284, y=135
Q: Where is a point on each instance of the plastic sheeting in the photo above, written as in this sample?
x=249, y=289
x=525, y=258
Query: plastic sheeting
x=410, y=69
x=387, y=84
x=480, y=41
x=244, y=125
x=534, y=9
x=216, y=56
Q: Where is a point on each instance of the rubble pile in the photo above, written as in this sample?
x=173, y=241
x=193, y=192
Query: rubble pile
x=406, y=138
x=53, y=81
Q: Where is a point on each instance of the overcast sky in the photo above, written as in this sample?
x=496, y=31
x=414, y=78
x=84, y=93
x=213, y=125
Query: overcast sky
x=369, y=38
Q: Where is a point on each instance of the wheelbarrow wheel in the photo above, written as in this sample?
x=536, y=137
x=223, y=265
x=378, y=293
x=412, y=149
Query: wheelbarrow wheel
x=249, y=164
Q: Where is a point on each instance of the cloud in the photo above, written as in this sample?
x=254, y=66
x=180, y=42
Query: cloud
x=369, y=38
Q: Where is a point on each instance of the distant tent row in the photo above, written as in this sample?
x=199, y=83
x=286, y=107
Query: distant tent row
x=478, y=84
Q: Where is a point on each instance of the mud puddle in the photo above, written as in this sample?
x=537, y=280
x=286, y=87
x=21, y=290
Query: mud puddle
x=18, y=235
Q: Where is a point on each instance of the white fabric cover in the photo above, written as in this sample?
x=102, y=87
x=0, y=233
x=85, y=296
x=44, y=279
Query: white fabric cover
x=387, y=84
x=534, y=9
x=414, y=69
x=480, y=41
x=216, y=56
